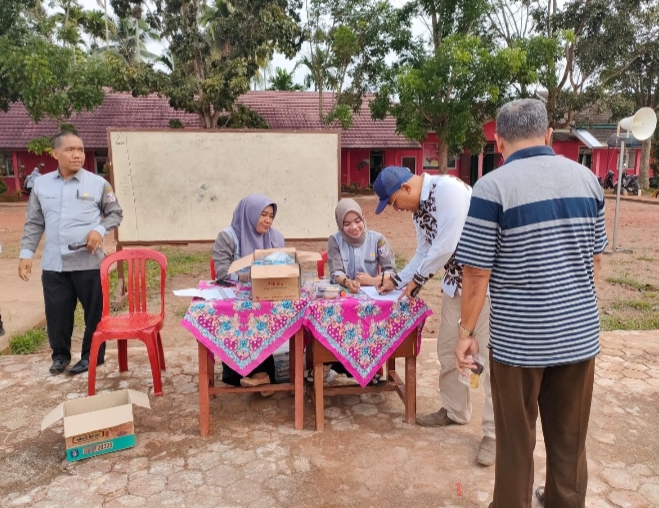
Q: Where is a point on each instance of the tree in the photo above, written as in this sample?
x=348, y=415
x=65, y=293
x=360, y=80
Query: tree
x=454, y=85
x=632, y=71
x=98, y=27
x=125, y=43
x=348, y=41
x=215, y=61
x=50, y=80
x=283, y=81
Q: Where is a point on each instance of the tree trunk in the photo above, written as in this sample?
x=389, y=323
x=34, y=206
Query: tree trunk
x=643, y=172
x=107, y=29
x=442, y=151
x=137, y=41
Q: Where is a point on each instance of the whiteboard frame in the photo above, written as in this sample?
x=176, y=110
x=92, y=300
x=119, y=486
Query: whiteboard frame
x=111, y=130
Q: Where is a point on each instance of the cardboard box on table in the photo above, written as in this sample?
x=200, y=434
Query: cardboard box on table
x=97, y=424
x=275, y=282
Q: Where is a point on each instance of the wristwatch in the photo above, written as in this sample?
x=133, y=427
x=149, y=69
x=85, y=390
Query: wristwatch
x=464, y=331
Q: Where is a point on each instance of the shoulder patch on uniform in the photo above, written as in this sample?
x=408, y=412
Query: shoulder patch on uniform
x=109, y=194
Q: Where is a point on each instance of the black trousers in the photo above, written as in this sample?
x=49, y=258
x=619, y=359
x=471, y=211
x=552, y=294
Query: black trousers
x=231, y=377
x=61, y=291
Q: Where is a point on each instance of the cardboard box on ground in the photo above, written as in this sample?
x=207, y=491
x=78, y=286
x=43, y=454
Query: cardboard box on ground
x=98, y=424
x=275, y=282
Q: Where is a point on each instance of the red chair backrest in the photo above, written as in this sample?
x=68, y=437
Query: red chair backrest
x=321, y=264
x=134, y=278
x=212, y=269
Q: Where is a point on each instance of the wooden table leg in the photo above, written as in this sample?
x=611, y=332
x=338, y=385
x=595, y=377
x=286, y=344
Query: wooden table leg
x=298, y=379
x=204, y=400
x=211, y=369
x=391, y=366
x=410, y=389
x=318, y=391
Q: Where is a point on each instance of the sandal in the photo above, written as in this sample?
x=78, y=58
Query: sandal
x=328, y=374
x=379, y=380
x=260, y=378
x=540, y=495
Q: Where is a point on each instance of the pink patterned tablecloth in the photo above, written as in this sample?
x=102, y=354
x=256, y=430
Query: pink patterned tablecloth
x=362, y=332
x=242, y=333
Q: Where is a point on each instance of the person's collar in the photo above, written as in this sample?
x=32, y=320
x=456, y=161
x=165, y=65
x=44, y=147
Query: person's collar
x=76, y=175
x=532, y=151
x=425, y=189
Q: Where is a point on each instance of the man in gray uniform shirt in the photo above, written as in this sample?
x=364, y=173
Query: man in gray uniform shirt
x=71, y=205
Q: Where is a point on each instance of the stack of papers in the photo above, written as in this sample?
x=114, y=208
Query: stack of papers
x=372, y=292
x=207, y=294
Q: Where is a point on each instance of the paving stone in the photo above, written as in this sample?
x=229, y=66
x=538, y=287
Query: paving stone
x=108, y=483
x=185, y=481
x=603, y=437
x=650, y=491
x=596, y=502
x=223, y=475
x=144, y=484
x=204, y=461
x=619, y=479
x=167, y=498
x=125, y=501
x=363, y=409
x=205, y=496
x=628, y=499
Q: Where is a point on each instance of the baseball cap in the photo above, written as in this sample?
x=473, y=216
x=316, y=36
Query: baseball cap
x=389, y=181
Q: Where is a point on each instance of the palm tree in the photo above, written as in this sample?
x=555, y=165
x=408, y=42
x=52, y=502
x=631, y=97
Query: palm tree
x=98, y=27
x=260, y=79
x=283, y=80
x=124, y=40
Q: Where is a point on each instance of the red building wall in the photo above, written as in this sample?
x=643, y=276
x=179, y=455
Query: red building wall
x=25, y=162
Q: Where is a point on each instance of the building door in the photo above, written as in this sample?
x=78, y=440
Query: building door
x=488, y=158
x=377, y=162
x=409, y=163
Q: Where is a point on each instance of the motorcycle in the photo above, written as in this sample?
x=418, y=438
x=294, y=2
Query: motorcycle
x=629, y=184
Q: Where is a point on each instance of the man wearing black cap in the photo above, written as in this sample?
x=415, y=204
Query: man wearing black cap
x=440, y=205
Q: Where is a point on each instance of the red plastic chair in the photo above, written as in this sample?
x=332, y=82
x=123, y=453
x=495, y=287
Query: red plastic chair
x=321, y=265
x=137, y=323
x=212, y=269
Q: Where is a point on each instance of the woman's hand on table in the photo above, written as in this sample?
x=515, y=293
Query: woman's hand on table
x=365, y=279
x=352, y=285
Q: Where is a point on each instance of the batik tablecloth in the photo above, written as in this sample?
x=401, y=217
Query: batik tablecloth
x=242, y=333
x=362, y=332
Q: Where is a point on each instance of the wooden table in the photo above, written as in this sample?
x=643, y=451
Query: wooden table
x=207, y=383
x=408, y=349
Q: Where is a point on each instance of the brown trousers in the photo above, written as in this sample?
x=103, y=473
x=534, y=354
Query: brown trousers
x=564, y=395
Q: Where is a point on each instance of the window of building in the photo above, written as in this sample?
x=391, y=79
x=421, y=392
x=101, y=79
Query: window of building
x=585, y=157
x=409, y=163
x=6, y=164
x=376, y=164
x=452, y=162
x=100, y=160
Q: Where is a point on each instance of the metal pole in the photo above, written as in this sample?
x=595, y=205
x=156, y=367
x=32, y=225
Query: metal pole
x=620, y=169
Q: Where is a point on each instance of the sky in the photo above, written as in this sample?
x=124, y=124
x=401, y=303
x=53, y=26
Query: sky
x=279, y=60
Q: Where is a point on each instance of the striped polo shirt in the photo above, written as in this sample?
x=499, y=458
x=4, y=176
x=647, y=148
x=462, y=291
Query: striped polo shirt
x=536, y=223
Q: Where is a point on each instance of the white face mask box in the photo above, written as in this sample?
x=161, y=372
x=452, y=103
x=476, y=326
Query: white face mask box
x=98, y=424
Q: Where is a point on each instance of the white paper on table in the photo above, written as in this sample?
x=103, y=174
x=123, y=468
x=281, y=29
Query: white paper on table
x=372, y=292
x=207, y=294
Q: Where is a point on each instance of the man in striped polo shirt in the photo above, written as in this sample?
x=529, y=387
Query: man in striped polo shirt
x=535, y=233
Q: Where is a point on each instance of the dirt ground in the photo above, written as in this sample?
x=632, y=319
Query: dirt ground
x=366, y=456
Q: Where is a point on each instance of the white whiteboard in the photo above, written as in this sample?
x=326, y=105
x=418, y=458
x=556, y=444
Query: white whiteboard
x=183, y=185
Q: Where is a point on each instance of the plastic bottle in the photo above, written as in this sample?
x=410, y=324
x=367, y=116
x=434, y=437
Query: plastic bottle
x=472, y=380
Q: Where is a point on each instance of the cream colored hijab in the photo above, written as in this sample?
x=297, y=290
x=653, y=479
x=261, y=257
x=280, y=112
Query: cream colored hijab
x=344, y=207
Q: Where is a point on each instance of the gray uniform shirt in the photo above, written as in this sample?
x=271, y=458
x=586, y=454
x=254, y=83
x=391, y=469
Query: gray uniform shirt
x=375, y=252
x=225, y=251
x=67, y=210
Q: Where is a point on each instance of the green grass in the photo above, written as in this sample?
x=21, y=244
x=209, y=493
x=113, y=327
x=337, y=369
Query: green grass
x=10, y=252
x=28, y=342
x=644, y=321
x=624, y=280
x=639, y=305
x=401, y=262
x=646, y=258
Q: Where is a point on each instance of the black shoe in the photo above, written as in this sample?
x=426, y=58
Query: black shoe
x=81, y=366
x=540, y=495
x=58, y=366
x=2, y=330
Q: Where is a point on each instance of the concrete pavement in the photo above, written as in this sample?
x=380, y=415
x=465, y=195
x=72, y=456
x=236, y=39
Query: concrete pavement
x=21, y=303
